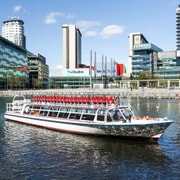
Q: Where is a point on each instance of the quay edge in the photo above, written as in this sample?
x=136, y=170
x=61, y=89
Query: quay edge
x=149, y=93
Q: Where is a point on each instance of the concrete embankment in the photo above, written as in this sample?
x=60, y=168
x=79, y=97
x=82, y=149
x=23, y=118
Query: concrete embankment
x=122, y=92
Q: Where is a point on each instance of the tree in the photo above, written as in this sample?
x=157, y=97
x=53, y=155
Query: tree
x=11, y=80
x=111, y=79
x=37, y=83
x=142, y=76
x=18, y=82
x=131, y=77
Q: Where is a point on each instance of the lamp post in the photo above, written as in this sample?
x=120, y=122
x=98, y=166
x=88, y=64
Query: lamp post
x=7, y=74
x=90, y=83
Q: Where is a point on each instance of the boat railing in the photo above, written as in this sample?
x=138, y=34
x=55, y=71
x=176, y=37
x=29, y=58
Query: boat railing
x=17, y=104
x=11, y=107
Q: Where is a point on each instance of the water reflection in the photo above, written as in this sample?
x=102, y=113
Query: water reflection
x=36, y=149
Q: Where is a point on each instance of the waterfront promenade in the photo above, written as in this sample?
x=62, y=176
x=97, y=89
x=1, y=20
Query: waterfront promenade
x=122, y=92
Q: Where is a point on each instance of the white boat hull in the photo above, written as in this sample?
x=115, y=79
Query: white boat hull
x=51, y=123
x=128, y=130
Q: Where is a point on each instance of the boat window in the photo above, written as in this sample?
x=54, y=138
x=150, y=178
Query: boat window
x=88, y=114
x=127, y=112
x=44, y=111
x=109, y=116
x=53, y=111
x=101, y=111
x=64, y=112
x=54, y=108
x=100, y=114
x=35, y=107
x=88, y=117
x=89, y=111
x=76, y=110
x=100, y=117
x=65, y=109
x=63, y=115
x=75, y=116
x=116, y=114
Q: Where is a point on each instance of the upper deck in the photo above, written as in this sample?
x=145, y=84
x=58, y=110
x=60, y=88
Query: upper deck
x=83, y=108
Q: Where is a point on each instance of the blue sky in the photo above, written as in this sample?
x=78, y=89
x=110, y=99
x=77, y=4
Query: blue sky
x=104, y=24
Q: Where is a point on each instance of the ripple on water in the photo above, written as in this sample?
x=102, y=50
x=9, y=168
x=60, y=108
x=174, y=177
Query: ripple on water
x=28, y=152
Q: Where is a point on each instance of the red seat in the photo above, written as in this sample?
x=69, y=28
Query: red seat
x=35, y=98
x=95, y=99
x=58, y=99
x=110, y=100
x=80, y=99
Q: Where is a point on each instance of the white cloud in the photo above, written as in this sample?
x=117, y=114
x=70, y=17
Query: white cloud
x=51, y=18
x=17, y=8
x=88, y=28
x=91, y=28
x=112, y=30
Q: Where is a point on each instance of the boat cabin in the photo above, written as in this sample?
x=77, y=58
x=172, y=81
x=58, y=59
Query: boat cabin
x=82, y=113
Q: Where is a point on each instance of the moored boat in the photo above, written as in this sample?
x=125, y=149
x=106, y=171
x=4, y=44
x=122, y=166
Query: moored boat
x=89, y=115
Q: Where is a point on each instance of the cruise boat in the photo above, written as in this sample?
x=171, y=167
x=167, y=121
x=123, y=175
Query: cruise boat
x=87, y=115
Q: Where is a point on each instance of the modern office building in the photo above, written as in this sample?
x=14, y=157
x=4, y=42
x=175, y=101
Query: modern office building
x=20, y=68
x=38, y=71
x=178, y=28
x=13, y=65
x=167, y=65
x=13, y=30
x=153, y=61
x=72, y=78
x=142, y=55
x=71, y=46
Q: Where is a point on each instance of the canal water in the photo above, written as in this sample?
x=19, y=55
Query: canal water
x=28, y=152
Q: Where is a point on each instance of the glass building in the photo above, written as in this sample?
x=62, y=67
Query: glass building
x=143, y=59
x=69, y=82
x=141, y=54
x=178, y=28
x=13, y=65
x=147, y=58
x=38, y=71
x=72, y=78
x=168, y=65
